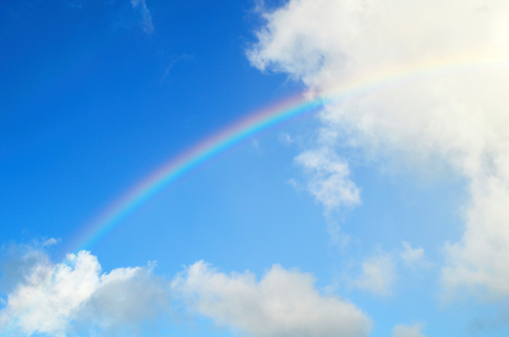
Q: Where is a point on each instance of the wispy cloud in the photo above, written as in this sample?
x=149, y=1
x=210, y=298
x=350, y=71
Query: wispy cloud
x=146, y=16
x=329, y=178
x=285, y=138
x=411, y=255
x=378, y=274
x=171, y=63
x=401, y=330
x=414, y=258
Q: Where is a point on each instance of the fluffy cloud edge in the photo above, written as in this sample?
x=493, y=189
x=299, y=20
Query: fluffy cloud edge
x=282, y=303
x=75, y=296
x=459, y=120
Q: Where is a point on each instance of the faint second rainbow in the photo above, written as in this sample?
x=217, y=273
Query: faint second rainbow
x=259, y=121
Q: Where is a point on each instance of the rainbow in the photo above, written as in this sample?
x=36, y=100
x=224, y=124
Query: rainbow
x=188, y=160
x=262, y=120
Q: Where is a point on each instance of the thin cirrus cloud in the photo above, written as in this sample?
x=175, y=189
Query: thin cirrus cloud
x=146, y=16
x=451, y=114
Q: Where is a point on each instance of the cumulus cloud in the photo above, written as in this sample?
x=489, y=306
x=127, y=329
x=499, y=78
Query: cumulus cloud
x=424, y=84
x=378, y=275
x=330, y=182
x=401, y=330
x=60, y=299
x=283, y=303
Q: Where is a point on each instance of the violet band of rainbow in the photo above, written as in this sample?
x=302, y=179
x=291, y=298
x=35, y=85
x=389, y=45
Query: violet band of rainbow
x=261, y=120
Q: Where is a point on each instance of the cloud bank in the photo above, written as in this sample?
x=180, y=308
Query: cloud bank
x=283, y=303
x=74, y=298
x=440, y=100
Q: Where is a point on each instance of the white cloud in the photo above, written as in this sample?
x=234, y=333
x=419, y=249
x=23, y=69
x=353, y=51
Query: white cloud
x=413, y=257
x=285, y=138
x=377, y=276
x=282, y=303
x=146, y=16
x=330, y=182
x=171, y=64
x=50, y=242
x=440, y=99
x=57, y=299
x=407, y=331
x=481, y=256
x=410, y=254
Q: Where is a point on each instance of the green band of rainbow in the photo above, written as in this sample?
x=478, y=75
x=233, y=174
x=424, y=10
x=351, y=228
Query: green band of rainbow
x=261, y=120
x=187, y=161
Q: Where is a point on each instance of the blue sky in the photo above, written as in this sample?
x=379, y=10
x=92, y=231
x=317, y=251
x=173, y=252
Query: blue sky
x=383, y=213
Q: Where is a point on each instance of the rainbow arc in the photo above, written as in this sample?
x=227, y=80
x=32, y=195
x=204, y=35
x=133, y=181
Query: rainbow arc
x=260, y=120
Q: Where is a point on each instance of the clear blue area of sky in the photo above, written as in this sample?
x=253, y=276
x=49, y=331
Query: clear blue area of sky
x=89, y=99
x=90, y=104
